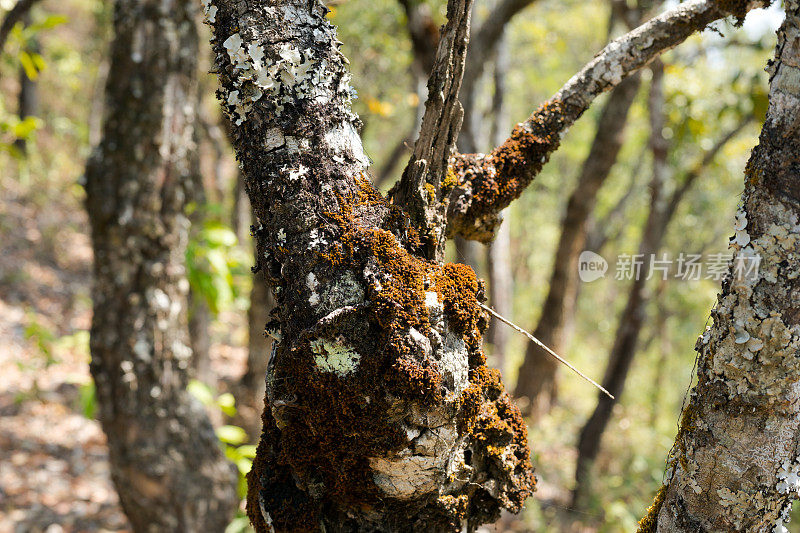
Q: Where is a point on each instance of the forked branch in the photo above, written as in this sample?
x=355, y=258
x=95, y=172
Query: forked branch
x=489, y=183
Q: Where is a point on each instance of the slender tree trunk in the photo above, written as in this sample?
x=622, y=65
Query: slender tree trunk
x=536, y=379
x=166, y=462
x=199, y=313
x=632, y=317
x=200, y=339
x=734, y=465
x=28, y=90
x=498, y=253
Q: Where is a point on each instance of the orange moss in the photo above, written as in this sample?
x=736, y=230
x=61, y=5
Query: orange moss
x=500, y=177
x=649, y=523
x=337, y=423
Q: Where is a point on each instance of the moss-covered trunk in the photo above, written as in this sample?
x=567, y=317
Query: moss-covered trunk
x=734, y=465
x=381, y=414
x=166, y=462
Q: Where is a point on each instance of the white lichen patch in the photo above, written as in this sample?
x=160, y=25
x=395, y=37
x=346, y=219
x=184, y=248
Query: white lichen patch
x=345, y=290
x=288, y=77
x=754, y=349
x=209, y=12
x=335, y=356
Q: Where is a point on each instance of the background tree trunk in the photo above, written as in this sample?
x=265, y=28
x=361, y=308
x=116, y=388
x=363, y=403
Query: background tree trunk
x=537, y=375
x=498, y=253
x=633, y=315
x=28, y=89
x=734, y=465
x=166, y=462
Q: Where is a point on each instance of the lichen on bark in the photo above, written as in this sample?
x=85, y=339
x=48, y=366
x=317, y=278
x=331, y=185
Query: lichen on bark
x=735, y=462
x=380, y=413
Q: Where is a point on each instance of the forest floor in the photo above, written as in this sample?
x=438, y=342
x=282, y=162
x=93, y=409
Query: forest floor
x=54, y=470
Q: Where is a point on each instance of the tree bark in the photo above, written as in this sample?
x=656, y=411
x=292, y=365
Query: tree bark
x=734, y=464
x=537, y=374
x=381, y=414
x=166, y=462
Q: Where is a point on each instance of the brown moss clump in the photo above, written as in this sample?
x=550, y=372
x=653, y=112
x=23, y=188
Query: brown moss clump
x=499, y=178
x=313, y=459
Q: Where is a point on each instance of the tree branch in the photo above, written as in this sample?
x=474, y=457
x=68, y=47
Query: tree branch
x=419, y=191
x=489, y=183
x=701, y=165
x=14, y=15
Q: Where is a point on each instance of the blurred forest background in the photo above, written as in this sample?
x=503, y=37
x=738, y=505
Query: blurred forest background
x=54, y=474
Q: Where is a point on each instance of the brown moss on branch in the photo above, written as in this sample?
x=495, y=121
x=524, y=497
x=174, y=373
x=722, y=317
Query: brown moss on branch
x=493, y=181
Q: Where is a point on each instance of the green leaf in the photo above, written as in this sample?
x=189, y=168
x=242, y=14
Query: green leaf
x=88, y=400
x=202, y=392
x=227, y=404
x=244, y=465
x=51, y=21
x=24, y=128
x=28, y=65
x=233, y=435
x=247, y=450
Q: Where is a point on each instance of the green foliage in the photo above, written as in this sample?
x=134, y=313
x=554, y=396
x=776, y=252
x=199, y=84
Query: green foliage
x=234, y=439
x=218, y=268
x=43, y=337
x=87, y=398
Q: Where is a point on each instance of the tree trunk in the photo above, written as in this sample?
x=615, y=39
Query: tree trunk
x=250, y=393
x=632, y=317
x=381, y=414
x=28, y=90
x=166, y=462
x=537, y=375
x=199, y=313
x=734, y=465
x=200, y=339
x=498, y=253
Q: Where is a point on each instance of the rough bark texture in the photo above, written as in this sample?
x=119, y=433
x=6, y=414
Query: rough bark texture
x=486, y=184
x=381, y=414
x=166, y=462
x=537, y=375
x=424, y=187
x=735, y=465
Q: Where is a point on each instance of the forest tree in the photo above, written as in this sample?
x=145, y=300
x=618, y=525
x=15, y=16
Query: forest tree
x=381, y=413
